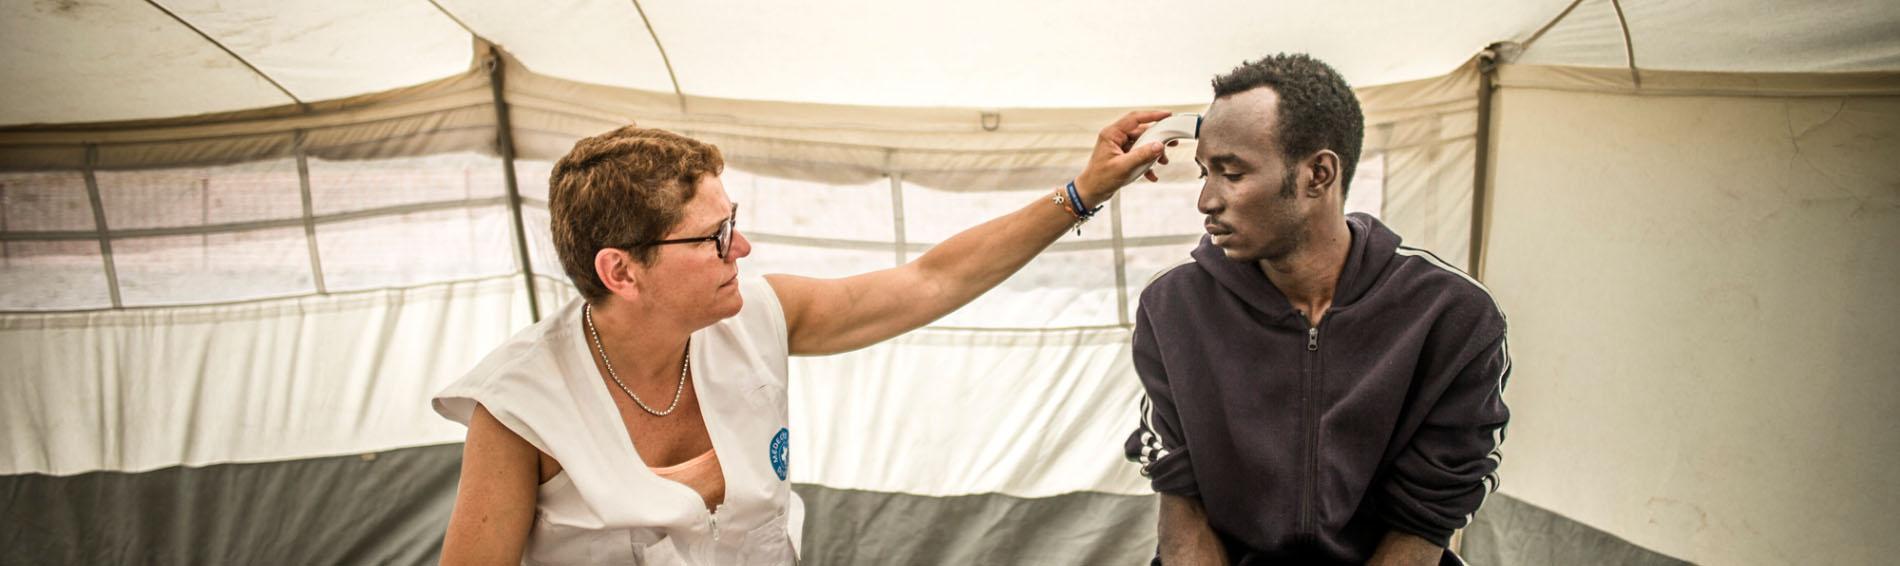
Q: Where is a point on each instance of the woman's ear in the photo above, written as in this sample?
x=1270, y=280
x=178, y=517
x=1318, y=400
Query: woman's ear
x=618, y=272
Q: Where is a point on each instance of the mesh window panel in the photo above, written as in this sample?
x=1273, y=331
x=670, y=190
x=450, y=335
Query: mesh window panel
x=779, y=206
x=416, y=248
x=58, y=275
x=1057, y=289
x=343, y=186
x=198, y=196
x=215, y=267
x=1147, y=262
x=932, y=215
x=1160, y=209
x=823, y=263
x=531, y=178
x=547, y=262
x=45, y=201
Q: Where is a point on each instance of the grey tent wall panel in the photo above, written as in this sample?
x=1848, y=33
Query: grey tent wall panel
x=844, y=527
x=392, y=508
x=1511, y=531
x=382, y=508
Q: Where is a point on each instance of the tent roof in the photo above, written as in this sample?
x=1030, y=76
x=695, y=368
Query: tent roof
x=110, y=60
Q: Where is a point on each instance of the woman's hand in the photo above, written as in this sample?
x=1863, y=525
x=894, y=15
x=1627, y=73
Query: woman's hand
x=1113, y=164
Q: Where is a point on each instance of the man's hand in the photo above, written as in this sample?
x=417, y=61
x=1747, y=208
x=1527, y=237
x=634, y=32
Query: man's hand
x=1113, y=164
x=1186, y=538
x=1406, y=549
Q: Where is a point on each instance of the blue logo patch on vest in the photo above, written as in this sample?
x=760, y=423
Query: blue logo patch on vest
x=779, y=454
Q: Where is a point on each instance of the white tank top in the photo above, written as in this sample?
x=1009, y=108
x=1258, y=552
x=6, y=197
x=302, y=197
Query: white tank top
x=606, y=506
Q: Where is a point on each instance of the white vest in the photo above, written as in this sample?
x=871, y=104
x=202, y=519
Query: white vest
x=606, y=506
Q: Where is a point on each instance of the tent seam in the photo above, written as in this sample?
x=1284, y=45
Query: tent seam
x=1629, y=47
x=1526, y=45
x=227, y=50
x=664, y=59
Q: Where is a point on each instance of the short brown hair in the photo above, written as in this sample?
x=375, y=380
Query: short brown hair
x=619, y=188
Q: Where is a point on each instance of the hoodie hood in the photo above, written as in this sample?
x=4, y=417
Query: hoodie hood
x=1373, y=247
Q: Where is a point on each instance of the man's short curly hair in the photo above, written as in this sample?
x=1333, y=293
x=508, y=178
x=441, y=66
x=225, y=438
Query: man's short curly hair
x=1317, y=108
x=622, y=187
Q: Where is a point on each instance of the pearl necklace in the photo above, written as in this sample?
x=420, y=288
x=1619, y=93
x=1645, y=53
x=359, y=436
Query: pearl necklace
x=686, y=361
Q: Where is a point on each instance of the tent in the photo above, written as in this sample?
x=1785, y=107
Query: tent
x=242, y=243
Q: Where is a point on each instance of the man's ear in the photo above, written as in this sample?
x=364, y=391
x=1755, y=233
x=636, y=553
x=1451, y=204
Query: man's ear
x=618, y=271
x=1323, y=167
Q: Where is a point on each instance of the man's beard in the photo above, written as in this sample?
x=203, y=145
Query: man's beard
x=1292, y=228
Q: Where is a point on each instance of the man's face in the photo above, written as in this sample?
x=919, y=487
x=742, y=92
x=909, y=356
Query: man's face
x=690, y=279
x=1249, y=192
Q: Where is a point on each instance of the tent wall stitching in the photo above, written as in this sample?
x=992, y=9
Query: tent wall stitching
x=240, y=59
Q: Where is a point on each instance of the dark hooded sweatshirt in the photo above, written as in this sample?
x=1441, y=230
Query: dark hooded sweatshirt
x=1307, y=444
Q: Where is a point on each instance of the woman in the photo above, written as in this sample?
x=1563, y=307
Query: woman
x=647, y=422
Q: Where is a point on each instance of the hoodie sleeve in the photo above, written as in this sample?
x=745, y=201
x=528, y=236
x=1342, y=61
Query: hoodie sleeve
x=1442, y=477
x=1158, y=443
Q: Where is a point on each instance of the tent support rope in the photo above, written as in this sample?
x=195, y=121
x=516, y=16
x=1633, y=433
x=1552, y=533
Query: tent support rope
x=227, y=51
x=505, y=142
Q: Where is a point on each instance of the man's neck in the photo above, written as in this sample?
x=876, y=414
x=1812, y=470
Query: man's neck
x=1309, y=276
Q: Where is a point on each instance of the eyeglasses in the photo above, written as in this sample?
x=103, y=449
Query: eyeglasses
x=721, y=240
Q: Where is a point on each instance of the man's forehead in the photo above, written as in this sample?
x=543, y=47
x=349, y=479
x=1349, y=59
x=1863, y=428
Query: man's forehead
x=1238, y=125
x=1249, y=111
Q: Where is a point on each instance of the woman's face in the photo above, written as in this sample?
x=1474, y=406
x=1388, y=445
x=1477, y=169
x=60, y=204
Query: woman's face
x=690, y=279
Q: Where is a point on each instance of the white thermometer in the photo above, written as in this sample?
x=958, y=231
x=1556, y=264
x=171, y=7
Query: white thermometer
x=1178, y=126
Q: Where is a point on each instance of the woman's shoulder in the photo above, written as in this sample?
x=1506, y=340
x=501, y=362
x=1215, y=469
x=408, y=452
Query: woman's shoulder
x=512, y=376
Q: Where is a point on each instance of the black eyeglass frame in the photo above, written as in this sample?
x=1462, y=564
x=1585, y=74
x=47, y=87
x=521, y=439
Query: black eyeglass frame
x=721, y=241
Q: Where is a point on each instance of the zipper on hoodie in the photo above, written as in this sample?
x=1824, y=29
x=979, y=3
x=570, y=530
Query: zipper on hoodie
x=1309, y=388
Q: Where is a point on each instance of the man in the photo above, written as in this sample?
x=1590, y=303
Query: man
x=1317, y=392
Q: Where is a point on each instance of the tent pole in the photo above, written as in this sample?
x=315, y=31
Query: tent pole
x=1121, y=260
x=506, y=143
x=99, y=224
x=1487, y=80
x=309, y=216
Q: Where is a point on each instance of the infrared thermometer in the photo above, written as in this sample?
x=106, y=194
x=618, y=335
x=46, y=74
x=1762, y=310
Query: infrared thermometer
x=1178, y=126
